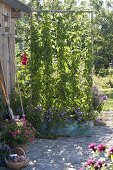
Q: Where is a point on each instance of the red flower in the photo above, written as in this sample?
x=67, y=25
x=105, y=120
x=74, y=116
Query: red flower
x=24, y=62
x=24, y=59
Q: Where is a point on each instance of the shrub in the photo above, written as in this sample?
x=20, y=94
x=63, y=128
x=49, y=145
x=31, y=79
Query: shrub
x=3, y=111
x=103, y=72
x=98, y=99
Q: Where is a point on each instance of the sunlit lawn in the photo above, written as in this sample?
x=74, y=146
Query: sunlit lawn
x=109, y=103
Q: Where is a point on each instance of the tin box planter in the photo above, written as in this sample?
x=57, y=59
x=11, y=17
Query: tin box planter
x=67, y=130
x=72, y=130
x=85, y=129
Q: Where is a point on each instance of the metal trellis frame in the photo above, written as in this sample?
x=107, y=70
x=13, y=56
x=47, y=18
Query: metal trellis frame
x=61, y=11
x=68, y=11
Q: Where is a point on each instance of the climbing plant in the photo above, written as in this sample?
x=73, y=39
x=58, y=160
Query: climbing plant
x=61, y=65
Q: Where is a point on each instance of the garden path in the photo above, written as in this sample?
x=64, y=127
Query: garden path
x=67, y=153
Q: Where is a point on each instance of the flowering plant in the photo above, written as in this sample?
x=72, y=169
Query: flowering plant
x=102, y=158
x=98, y=99
x=64, y=116
x=18, y=131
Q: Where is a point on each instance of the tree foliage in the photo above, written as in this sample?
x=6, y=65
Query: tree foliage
x=103, y=34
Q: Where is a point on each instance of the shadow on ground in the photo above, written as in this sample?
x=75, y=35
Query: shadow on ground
x=65, y=153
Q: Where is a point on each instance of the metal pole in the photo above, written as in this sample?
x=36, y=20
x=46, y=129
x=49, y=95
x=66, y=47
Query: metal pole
x=20, y=95
x=31, y=17
x=92, y=43
x=61, y=11
x=92, y=29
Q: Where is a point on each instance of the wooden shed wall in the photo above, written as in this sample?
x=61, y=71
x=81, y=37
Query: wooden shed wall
x=7, y=41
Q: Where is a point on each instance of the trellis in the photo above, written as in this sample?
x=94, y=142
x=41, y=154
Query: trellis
x=66, y=11
x=60, y=11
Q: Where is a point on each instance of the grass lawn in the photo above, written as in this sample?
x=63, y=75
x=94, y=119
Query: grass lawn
x=109, y=103
x=105, y=84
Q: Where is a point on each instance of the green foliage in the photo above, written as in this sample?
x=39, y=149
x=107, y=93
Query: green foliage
x=61, y=63
x=3, y=110
x=22, y=87
x=98, y=99
x=3, y=106
x=103, y=39
x=108, y=106
x=22, y=37
x=59, y=73
x=35, y=116
x=17, y=132
x=103, y=72
x=103, y=83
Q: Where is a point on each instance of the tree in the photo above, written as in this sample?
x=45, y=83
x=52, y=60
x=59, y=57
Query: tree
x=103, y=39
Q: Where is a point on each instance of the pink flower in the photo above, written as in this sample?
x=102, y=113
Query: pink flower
x=101, y=147
x=92, y=146
x=111, y=149
x=110, y=152
x=90, y=162
x=99, y=164
x=18, y=132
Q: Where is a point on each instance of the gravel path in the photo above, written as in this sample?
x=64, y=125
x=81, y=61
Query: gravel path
x=67, y=153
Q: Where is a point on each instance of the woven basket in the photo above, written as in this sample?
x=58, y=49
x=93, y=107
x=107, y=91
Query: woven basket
x=13, y=165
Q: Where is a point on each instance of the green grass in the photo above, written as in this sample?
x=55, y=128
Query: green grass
x=105, y=84
x=108, y=105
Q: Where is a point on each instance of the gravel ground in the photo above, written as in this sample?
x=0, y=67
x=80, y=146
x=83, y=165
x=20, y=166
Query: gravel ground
x=67, y=153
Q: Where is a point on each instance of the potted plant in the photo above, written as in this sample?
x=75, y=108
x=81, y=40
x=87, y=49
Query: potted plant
x=17, y=132
x=69, y=122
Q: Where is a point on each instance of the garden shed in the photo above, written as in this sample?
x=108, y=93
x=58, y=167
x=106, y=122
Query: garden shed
x=9, y=11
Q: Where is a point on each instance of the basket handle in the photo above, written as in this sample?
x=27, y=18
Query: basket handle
x=23, y=154
x=22, y=151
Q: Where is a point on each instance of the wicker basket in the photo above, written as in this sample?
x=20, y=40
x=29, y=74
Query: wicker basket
x=13, y=165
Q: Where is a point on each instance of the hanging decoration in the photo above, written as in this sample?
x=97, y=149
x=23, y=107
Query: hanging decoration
x=24, y=59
